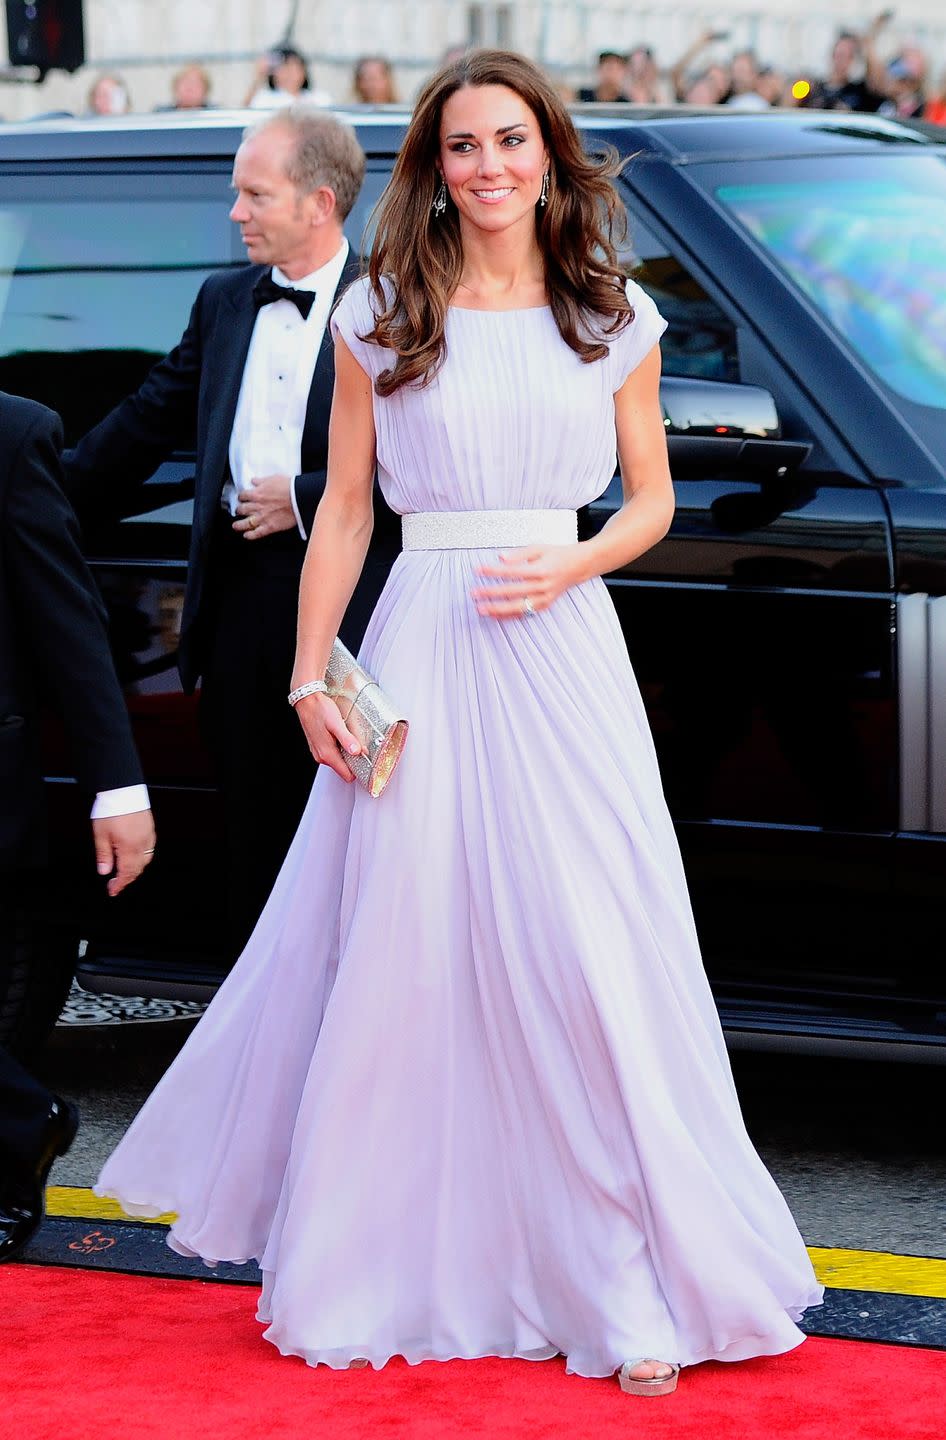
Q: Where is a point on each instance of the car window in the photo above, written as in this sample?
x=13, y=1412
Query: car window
x=867, y=249
x=360, y=225
x=97, y=278
x=700, y=339
x=98, y=275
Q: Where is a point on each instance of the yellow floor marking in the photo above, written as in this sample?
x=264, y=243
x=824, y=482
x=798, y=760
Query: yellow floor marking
x=83, y=1205
x=877, y=1270
x=840, y=1269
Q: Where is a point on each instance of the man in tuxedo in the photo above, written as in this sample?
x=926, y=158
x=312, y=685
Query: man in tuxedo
x=53, y=646
x=253, y=377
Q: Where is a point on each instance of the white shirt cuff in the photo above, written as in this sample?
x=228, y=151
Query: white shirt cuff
x=127, y=800
x=295, y=506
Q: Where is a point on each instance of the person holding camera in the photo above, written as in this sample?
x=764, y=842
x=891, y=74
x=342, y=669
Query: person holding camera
x=282, y=78
x=710, y=85
x=857, y=77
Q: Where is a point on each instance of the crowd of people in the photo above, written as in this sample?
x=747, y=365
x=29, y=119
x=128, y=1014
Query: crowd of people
x=857, y=78
x=281, y=76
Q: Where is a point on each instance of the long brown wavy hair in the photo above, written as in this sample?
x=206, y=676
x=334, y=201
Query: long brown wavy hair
x=420, y=256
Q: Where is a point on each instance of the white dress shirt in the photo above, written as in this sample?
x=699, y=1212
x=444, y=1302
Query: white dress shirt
x=266, y=438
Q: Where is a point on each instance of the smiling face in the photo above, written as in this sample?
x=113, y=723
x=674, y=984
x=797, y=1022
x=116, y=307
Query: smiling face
x=492, y=156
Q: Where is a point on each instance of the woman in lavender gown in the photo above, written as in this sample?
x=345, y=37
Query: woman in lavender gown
x=466, y=1092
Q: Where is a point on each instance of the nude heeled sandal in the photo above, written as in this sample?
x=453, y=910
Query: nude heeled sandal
x=659, y=1385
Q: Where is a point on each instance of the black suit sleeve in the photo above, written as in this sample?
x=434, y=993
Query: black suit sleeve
x=124, y=450
x=59, y=614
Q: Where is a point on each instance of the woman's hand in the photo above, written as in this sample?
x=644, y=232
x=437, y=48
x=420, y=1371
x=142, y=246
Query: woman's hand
x=538, y=575
x=326, y=731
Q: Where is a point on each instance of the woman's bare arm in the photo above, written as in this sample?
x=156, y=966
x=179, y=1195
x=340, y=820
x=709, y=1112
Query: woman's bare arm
x=648, y=507
x=336, y=553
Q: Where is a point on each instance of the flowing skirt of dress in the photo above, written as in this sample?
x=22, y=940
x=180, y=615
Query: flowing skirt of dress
x=465, y=1092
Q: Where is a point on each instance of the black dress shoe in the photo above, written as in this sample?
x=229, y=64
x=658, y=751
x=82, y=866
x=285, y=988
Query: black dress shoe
x=22, y=1203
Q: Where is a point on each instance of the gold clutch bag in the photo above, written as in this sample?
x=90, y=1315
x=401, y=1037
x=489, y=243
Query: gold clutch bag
x=370, y=716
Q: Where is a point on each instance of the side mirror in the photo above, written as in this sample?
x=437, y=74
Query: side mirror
x=715, y=425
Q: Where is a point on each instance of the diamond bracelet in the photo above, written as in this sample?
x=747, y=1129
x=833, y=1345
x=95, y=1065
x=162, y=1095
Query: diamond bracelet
x=314, y=687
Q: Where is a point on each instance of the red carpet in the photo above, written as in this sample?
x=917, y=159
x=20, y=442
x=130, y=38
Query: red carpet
x=88, y=1356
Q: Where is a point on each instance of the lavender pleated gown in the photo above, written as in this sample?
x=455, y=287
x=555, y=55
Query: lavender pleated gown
x=465, y=1092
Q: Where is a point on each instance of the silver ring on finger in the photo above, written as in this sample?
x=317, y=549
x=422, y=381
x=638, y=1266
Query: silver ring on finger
x=528, y=606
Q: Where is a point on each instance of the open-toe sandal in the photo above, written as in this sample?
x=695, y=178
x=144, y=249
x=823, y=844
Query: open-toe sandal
x=658, y=1385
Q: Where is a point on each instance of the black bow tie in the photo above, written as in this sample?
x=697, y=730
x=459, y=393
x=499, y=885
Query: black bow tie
x=265, y=291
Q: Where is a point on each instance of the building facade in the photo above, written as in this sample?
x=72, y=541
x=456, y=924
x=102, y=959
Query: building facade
x=148, y=40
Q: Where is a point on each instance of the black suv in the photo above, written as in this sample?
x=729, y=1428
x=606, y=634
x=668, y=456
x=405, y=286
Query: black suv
x=789, y=635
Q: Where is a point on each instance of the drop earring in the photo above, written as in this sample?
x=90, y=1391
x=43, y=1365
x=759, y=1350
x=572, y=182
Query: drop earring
x=544, y=195
x=440, y=203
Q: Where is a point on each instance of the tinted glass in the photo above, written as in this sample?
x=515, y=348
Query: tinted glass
x=98, y=275
x=700, y=339
x=867, y=249
x=359, y=227
x=97, y=278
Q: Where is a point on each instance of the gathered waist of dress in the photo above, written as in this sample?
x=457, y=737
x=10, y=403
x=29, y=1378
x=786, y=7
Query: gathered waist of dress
x=487, y=529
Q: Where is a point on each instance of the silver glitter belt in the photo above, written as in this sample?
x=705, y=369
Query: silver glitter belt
x=487, y=529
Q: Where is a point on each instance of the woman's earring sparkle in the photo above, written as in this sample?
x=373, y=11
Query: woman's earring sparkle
x=440, y=204
x=544, y=196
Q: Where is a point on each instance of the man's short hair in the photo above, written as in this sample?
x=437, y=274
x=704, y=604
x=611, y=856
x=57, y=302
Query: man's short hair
x=611, y=55
x=326, y=152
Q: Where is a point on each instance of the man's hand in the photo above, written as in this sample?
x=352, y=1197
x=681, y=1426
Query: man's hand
x=124, y=845
x=266, y=508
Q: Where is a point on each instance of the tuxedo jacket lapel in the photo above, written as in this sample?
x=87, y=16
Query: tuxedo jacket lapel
x=315, y=431
x=231, y=342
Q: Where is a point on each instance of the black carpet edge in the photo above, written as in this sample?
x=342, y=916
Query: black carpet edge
x=129, y=1248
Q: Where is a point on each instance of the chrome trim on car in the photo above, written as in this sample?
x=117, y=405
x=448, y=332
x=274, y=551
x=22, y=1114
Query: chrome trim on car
x=913, y=690
x=921, y=667
x=936, y=611
x=850, y=1047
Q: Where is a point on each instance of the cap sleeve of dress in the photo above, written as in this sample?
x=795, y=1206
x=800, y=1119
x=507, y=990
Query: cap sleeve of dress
x=638, y=338
x=352, y=318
